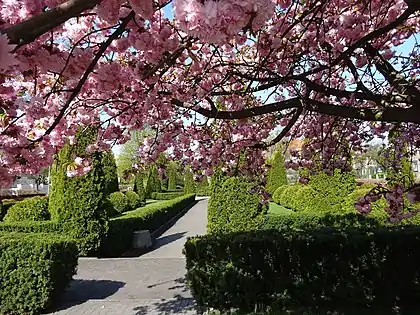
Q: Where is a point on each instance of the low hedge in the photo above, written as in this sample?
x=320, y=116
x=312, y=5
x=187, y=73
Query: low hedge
x=34, y=270
x=30, y=209
x=32, y=227
x=335, y=269
x=151, y=217
x=307, y=221
x=167, y=195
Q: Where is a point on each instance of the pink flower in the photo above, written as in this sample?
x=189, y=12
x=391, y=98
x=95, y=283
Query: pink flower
x=7, y=59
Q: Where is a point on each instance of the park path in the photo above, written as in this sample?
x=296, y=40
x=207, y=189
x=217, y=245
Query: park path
x=153, y=283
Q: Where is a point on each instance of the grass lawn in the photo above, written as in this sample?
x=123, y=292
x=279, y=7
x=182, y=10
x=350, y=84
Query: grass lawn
x=277, y=209
x=149, y=201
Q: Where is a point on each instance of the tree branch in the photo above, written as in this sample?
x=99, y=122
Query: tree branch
x=283, y=133
x=29, y=30
x=89, y=69
x=387, y=114
x=393, y=76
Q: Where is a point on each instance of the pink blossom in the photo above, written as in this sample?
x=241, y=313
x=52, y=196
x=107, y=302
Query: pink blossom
x=7, y=59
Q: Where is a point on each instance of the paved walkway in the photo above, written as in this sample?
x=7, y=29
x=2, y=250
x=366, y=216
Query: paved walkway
x=151, y=284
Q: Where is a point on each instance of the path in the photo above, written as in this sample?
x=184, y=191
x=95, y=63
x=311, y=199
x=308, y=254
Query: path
x=151, y=284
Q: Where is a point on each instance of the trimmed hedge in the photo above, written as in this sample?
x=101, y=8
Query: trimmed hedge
x=32, y=227
x=308, y=222
x=203, y=187
x=288, y=197
x=30, y=209
x=151, y=217
x=336, y=270
x=139, y=186
x=348, y=205
x=79, y=202
x=120, y=202
x=330, y=190
x=167, y=196
x=34, y=270
x=277, y=194
x=189, y=185
x=133, y=199
x=277, y=173
x=236, y=206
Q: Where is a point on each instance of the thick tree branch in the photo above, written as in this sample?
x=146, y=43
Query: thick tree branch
x=29, y=30
x=387, y=114
x=249, y=112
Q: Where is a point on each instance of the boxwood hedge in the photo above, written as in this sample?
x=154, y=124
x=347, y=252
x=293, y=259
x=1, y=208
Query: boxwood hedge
x=34, y=270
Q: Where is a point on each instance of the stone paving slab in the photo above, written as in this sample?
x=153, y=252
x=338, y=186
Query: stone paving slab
x=150, y=284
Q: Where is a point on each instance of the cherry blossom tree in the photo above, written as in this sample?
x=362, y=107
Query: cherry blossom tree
x=213, y=82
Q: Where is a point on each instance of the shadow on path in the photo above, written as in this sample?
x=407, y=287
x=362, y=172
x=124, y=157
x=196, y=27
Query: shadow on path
x=81, y=291
x=163, y=240
x=176, y=305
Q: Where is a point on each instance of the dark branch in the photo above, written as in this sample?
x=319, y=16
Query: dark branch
x=387, y=114
x=29, y=30
x=392, y=75
x=89, y=69
x=283, y=133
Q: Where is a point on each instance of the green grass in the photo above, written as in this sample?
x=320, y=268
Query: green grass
x=277, y=209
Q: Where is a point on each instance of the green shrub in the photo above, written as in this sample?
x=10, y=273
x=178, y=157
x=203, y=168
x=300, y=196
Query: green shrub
x=34, y=270
x=110, y=173
x=287, y=198
x=348, y=205
x=189, y=184
x=32, y=227
x=153, y=182
x=330, y=191
x=119, y=202
x=30, y=209
x=216, y=185
x=167, y=196
x=277, y=194
x=331, y=270
x=309, y=221
x=203, y=187
x=236, y=207
x=277, y=174
x=172, y=175
x=303, y=198
x=139, y=186
x=151, y=217
x=79, y=202
x=133, y=199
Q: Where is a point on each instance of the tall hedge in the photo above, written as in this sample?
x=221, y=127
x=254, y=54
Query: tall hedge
x=153, y=182
x=189, y=184
x=172, y=175
x=236, y=206
x=139, y=186
x=277, y=173
x=79, y=202
x=110, y=173
x=203, y=187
